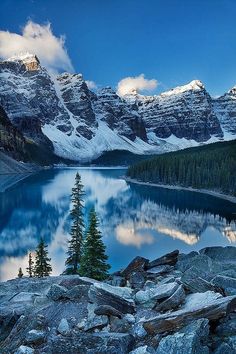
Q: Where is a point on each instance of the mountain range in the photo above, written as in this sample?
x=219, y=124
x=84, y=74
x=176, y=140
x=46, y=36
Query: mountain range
x=63, y=116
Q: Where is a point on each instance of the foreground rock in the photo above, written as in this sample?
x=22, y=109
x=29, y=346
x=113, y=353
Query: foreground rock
x=183, y=304
x=200, y=305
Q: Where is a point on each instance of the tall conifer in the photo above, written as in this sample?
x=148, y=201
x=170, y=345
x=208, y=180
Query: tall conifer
x=94, y=260
x=30, y=268
x=42, y=261
x=77, y=228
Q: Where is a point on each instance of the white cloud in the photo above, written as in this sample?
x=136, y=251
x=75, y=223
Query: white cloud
x=91, y=84
x=138, y=83
x=37, y=39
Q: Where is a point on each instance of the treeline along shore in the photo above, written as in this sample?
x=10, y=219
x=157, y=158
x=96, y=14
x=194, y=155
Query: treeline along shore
x=209, y=167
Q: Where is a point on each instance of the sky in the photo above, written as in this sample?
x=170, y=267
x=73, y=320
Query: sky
x=150, y=45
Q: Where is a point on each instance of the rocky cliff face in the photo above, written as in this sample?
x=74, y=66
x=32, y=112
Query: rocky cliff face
x=11, y=139
x=63, y=114
x=225, y=109
x=186, y=112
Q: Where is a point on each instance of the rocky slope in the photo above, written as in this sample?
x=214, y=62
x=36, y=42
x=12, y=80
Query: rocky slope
x=62, y=114
x=179, y=303
x=185, y=112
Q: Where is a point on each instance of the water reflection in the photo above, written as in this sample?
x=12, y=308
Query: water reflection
x=135, y=219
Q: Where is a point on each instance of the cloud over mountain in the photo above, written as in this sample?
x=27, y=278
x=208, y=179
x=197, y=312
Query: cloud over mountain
x=40, y=40
x=137, y=83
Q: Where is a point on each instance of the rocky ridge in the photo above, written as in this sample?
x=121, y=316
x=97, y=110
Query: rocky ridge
x=61, y=113
x=178, y=303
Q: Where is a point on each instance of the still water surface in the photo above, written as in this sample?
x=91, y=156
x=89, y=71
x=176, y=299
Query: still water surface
x=135, y=219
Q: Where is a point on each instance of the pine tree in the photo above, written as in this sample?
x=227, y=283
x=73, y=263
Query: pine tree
x=94, y=259
x=77, y=228
x=20, y=273
x=42, y=261
x=30, y=268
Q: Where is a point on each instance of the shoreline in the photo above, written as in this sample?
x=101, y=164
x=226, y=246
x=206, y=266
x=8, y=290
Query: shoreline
x=219, y=195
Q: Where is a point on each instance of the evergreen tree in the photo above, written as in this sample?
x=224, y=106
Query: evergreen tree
x=77, y=228
x=20, y=273
x=30, y=268
x=42, y=261
x=94, y=259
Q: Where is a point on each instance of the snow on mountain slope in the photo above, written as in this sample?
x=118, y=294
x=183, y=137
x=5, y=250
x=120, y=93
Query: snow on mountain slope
x=62, y=113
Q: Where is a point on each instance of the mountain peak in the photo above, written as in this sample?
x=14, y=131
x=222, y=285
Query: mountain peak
x=30, y=60
x=194, y=85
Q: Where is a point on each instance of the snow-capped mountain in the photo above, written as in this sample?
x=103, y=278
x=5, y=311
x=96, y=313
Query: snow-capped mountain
x=63, y=114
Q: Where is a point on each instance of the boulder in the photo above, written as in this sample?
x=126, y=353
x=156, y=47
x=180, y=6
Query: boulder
x=8, y=318
x=228, y=284
x=94, y=321
x=221, y=254
x=100, y=296
x=193, y=281
x=57, y=292
x=227, y=327
x=107, y=310
x=92, y=343
x=120, y=325
x=174, y=301
x=141, y=350
x=137, y=264
x=78, y=292
x=35, y=337
x=116, y=280
x=150, y=297
x=167, y=259
x=224, y=348
x=64, y=327
x=23, y=349
x=137, y=279
x=24, y=297
x=160, y=270
x=69, y=281
x=206, y=266
x=208, y=305
x=191, y=339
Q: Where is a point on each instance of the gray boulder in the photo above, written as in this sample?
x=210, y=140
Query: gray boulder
x=108, y=311
x=193, y=281
x=167, y=259
x=208, y=305
x=221, y=254
x=57, y=292
x=150, y=297
x=191, y=339
x=228, y=284
x=92, y=343
x=63, y=327
x=35, y=336
x=23, y=349
x=78, y=292
x=174, y=301
x=137, y=264
x=104, y=296
x=137, y=279
x=224, y=348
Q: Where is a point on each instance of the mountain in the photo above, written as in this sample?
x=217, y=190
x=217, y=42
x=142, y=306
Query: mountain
x=61, y=114
x=185, y=112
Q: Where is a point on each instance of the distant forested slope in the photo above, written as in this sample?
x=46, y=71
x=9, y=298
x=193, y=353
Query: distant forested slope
x=210, y=166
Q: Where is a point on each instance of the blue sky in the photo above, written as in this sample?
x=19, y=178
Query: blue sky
x=172, y=41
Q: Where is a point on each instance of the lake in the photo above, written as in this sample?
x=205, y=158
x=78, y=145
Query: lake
x=135, y=219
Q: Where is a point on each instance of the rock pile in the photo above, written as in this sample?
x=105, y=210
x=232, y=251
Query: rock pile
x=179, y=303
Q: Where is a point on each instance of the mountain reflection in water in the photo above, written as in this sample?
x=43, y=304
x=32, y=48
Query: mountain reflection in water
x=135, y=219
